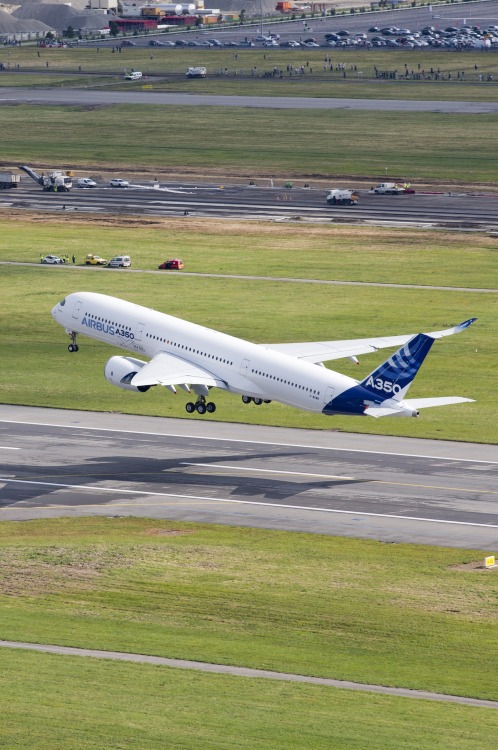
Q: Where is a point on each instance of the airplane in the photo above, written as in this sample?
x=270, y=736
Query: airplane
x=197, y=359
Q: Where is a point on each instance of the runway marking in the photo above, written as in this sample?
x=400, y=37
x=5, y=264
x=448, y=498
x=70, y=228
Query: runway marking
x=269, y=471
x=254, y=442
x=348, y=479
x=204, y=498
x=8, y=448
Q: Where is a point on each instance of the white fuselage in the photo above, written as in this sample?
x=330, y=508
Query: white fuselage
x=243, y=367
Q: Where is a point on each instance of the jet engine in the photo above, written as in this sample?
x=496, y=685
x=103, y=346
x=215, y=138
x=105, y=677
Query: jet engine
x=121, y=370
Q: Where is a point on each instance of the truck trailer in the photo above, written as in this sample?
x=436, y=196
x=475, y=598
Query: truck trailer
x=9, y=180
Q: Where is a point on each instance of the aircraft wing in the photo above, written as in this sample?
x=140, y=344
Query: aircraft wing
x=323, y=351
x=168, y=369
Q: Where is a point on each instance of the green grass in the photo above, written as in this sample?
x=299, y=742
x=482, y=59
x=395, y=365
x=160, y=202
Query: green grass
x=168, y=69
x=66, y=703
x=44, y=374
x=397, y=615
x=414, y=146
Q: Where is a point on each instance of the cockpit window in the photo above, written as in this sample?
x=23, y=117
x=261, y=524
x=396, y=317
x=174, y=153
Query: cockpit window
x=62, y=302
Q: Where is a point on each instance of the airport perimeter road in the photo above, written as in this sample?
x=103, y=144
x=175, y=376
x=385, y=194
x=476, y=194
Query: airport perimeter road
x=67, y=463
x=458, y=210
x=79, y=97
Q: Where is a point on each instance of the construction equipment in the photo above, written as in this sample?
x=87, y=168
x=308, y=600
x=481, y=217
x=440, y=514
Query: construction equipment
x=54, y=182
x=342, y=197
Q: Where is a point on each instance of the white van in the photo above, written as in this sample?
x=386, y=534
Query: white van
x=133, y=76
x=86, y=182
x=120, y=261
x=197, y=72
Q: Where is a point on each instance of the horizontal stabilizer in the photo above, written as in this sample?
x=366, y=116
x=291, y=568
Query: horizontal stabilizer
x=425, y=403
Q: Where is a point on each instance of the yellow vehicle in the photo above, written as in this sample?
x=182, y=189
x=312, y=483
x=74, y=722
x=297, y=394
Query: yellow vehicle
x=95, y=260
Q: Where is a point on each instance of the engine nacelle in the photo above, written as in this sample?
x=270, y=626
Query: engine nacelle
x=121, y=370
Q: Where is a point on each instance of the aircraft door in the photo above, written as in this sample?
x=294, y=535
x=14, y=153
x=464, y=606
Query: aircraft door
x=76, y=309
x=138, y=331
x=244, y=366
x=329, y=394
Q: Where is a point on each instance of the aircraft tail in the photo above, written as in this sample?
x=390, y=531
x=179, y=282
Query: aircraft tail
x=393, y=378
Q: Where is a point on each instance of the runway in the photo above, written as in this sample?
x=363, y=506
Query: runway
x=67, y=463
x=80, y=97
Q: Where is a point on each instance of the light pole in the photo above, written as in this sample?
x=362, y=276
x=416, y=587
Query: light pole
x=261, y=17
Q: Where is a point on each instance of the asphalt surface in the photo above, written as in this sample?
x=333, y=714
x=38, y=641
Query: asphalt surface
x=262, y=202
x=80, y=97
x=68, y=463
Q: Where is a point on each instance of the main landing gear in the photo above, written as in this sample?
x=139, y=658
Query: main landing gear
x=257, y=401
x=200, y=406
x=73, y=347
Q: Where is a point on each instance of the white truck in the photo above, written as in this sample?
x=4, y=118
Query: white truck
x=197, y=72
x=342, y=197
x=54, y=182
x=392, y=188
x=9, y=180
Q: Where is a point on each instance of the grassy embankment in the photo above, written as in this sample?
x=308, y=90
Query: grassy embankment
x=398, y=615
x=230, y=71
x=45, y=374
x=414, y=146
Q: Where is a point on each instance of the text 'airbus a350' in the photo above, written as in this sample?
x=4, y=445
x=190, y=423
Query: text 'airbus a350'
x=195, y=358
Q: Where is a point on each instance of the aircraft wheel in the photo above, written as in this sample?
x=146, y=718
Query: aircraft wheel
x=211, y=406
x=246, y=399
x=73, y=348
x=267, y=400
x=201, y=408
x=258, y=401
x=189, y=407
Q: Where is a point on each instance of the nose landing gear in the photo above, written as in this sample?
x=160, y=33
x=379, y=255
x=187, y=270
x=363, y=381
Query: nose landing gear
x=73, y=347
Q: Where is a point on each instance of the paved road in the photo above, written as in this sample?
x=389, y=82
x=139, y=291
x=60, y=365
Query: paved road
x=447, y=210
x=64, y=463
x=68, y=97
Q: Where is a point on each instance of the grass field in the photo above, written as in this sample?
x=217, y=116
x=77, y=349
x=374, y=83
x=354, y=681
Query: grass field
x=396, y=615
x=45, y=374
x=411, y=146
x=243, y=71
x=55, y=703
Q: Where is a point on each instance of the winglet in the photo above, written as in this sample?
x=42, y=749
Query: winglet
x=451, y=331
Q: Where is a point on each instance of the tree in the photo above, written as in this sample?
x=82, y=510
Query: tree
x=198, y=22
x=113, y=28
x=69, y=32
x=242, y=16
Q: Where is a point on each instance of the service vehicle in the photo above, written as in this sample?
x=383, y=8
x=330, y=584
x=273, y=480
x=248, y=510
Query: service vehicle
x=9, y=180
x=198, y=71
x=120, y=261
x=86, y=182
x=54, y=182
x=134, y=76
x=95, y=260
x=392, y=188
x=119, y=183
x=174, y=264
x=342, y=197
x=53, y=260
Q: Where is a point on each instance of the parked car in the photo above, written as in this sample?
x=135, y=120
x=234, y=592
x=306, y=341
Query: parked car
x=95, y=260
x=156, y=43
x=174, y=264
x=86, y=182
x=52, y=260
x=119, y=183
x=127, y=43
x=120, y=261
